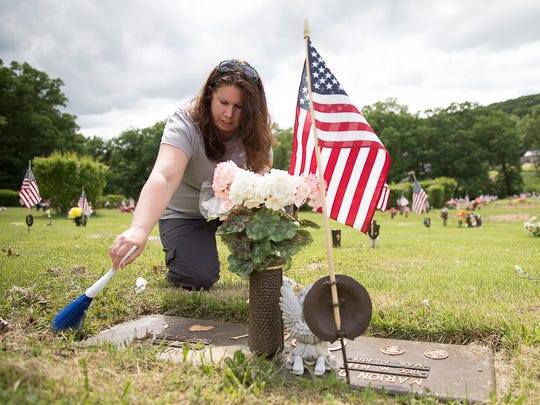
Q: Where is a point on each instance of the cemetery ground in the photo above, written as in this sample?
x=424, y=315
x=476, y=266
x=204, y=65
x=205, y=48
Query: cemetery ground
x=440, y=284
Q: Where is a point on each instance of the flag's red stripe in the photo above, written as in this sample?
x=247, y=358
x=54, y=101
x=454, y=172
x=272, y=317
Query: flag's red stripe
x=342, y=185
x=313, y=167
x=335, y=108
x=358, y=195
x=305, y=138
x=382, y=180
x=350, y=144
x=292, y=165
x=343, y=126
x=383, y=199
x=330, y=165
x=360, y=189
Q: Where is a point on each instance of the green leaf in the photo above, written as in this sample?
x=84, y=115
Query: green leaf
x=302, y=238
x=286, y=229
x=260, y=251
x=242, y=268
x=263, y=224
x=236, y=222
x=292, y=246
x=272, y=261
x=238, y=244
x=308, y=223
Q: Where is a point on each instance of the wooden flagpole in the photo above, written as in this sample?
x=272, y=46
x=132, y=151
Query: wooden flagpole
x=29, y=219
x=320, y=172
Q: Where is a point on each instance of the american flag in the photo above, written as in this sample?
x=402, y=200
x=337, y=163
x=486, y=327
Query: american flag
x=383, y=200
x=83, y=204
x=29, y=192
x=419, y=199
x=355, y=162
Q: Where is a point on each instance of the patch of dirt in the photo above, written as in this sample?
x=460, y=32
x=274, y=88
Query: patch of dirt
x=78, y=269
x=504, y=372
x=509, y=217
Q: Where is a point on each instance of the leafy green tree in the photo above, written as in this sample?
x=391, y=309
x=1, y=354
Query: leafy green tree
x=97, y=148
x=497, y=133
x=283, y=149
x=450, y=149
x=33, y=123
x=519, y=107
x=531, y=130
x=396, y=128
x=132, y=157
x=62, y=177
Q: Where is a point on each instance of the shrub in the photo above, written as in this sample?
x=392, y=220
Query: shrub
x=64, y=175
x=435, y=196
x=9, y=198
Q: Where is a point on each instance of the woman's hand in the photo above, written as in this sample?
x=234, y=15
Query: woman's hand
x=133, y=236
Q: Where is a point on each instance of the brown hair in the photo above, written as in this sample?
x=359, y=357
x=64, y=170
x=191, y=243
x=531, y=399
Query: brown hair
x=255, y=126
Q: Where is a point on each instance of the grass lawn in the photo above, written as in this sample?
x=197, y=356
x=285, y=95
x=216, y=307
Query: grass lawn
x=467, y=275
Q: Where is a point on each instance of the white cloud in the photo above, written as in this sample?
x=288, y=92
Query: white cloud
x=130, y=64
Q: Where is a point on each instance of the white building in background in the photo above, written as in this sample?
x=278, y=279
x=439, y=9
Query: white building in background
x=531, y=156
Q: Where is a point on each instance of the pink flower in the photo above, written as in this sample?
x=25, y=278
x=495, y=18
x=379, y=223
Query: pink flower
x=224, y=175
x=308, y=190
x=275, y=189
x=226, y=205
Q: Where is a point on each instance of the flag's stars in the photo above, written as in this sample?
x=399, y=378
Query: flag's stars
x=322, y=79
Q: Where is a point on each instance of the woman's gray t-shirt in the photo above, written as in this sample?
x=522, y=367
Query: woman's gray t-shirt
x=181, y=132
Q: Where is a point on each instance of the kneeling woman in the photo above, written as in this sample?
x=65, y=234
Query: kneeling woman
x=228, y=120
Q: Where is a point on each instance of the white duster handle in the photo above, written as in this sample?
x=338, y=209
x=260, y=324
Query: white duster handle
x=96, y=288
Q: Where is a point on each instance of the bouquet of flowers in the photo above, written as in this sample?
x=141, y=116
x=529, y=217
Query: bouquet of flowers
x=260, y=226
x=532, y=228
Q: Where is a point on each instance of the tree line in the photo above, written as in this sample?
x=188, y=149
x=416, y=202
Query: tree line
x=478, y=146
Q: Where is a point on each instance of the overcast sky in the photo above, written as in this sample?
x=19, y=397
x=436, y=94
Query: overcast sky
x=128, y=64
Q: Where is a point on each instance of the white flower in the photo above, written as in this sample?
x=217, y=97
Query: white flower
x=273, y=190
x=244, y=189
x=279, y=190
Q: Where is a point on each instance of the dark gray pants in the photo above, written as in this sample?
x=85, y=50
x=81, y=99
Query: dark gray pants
x=190, y=252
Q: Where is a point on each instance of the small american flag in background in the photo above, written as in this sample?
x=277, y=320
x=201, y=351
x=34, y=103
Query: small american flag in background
x=420, y=198
x=83, y=204
x=355, y=162
x=29, y=192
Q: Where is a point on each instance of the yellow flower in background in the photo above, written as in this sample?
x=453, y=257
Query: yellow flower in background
x=75, y=212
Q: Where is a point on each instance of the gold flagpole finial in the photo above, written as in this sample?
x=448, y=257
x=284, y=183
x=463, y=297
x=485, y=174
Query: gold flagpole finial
x=306, y=29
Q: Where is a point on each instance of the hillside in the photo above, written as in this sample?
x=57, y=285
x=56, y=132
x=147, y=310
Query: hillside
x=520, y=106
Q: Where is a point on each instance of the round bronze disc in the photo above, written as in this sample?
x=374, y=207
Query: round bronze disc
x=354, y=307
x=392, y=350
x=436, y=354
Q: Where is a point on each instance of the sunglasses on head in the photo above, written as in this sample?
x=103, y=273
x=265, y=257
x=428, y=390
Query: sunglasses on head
x=234, y=65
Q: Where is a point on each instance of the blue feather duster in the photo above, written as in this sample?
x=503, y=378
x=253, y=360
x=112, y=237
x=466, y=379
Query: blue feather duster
x=72, y=316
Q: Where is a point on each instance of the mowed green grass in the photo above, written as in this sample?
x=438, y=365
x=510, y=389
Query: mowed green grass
x=447, y=284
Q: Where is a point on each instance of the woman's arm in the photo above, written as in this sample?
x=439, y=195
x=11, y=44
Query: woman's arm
x=164, y=179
